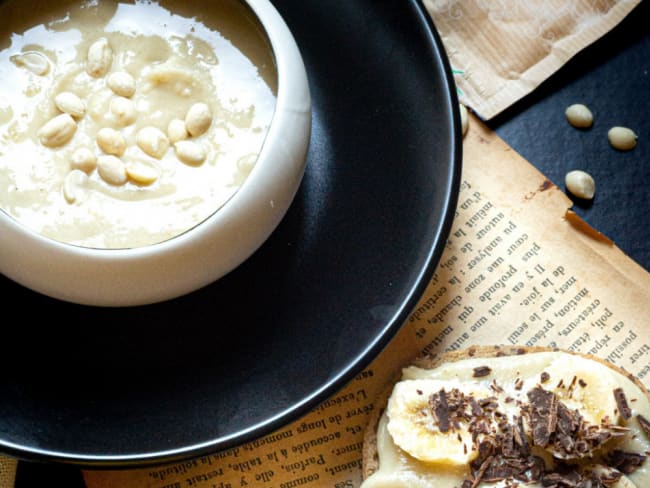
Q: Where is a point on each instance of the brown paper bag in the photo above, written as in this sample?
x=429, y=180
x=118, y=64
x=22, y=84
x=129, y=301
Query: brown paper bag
x=501, y=50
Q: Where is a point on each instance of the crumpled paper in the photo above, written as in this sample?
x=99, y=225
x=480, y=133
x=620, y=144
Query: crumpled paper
x=501, y=50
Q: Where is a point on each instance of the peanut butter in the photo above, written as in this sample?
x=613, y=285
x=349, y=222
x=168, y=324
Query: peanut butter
x=123, y=124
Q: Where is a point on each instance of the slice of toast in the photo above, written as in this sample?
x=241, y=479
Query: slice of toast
x=371, y=461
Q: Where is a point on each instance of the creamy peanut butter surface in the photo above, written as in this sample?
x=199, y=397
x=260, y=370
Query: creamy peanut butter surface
x=527, y=420
x=124, y=124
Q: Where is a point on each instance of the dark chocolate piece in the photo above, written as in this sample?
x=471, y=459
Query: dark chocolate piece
x=644, y=423
x=440, y=409
x=543, y=415
x=481, y=371
x=621, y=402
x=626, y=462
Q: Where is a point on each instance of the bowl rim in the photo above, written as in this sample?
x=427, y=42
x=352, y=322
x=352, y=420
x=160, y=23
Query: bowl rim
x=142, y=275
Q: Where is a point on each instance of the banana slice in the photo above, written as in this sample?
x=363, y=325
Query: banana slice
x=590, y=392
x=419, y=431
x=610, y=473
x=586, y=416
x=624, y=482
x=581, y=388
x=429, y=432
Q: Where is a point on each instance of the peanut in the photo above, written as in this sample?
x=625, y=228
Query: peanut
x=111, y=141
x=83, y=159
x=580, y=184
x=123, y=111
x=464, y=119
x=57, y=131
x=142, y=172
x=579, y=115
x=198, y=119
x=622, y=138
x=33, y=61
x=71, y=185
x=176, y=131
x=152, y=141
x=112, y=170
x=100, y=58
x=122, y=83
x=69, y=103
x=189, y=152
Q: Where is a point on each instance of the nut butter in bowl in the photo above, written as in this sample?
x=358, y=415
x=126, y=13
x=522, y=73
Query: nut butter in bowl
x=146, y=148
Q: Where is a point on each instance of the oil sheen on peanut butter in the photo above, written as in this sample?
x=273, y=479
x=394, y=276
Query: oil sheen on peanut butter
x=179, y=54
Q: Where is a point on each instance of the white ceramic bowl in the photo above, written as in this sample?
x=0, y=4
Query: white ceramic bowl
x=207, y=252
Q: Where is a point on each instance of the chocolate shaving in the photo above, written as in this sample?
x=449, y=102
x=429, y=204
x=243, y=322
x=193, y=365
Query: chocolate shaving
x=644, y=423
x=626, y=462
x=485, y=450
x=543, y=415
x=505, y=453
x=481, y=371
x=440, y=409
x=494, y=386
x=536, y=468
x=544, y=377
x=608, y=476
x=497, y=467
x=568, y=479
x=508, y=447
x=520, y=437
x=477, y=411
x=489, y=403
x=481, y=471
x=594, y=476
x=503, y=443
x=567, y=424
x=623, y=408
x=562, y=430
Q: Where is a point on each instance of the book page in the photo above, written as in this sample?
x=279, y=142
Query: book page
x=518, y=269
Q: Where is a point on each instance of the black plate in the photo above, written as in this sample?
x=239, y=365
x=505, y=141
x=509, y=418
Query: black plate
x=263, y=346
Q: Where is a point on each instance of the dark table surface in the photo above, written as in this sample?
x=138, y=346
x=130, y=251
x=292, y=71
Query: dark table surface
x=612, y=78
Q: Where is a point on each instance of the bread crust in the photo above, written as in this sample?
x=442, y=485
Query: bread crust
x=370, y=458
